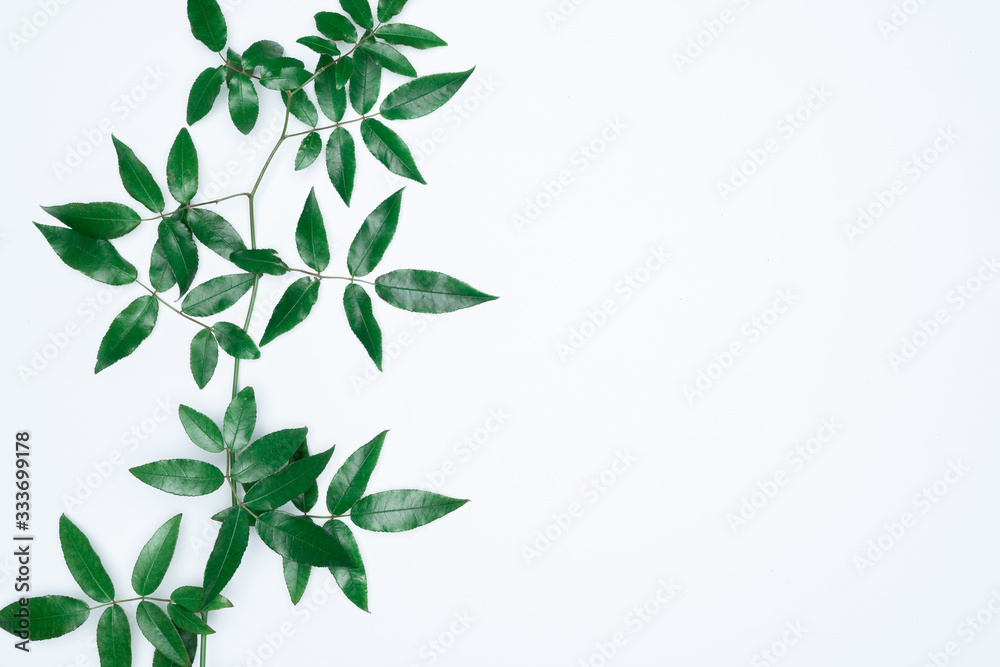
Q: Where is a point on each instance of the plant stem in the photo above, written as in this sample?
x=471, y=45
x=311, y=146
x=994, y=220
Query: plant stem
x=322, y=277
x=198, y=205
x=157, y=296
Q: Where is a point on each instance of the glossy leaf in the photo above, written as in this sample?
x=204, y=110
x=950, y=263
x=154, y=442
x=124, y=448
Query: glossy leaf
x=155, y=557
x=260, y=52
x=293, y=307
x=336, y=26
x=307, y=500
x=303, y=108
x=160, y=276
x=352, y=580
x=182, y=168
x=241, y=417
x=48, y=617
x=215, y=232
x=360, y=11
x=159, y=630
x=114, y=638
x=99, y=220
x=390, y=149
x=201, y=429
x=388, y=57
x=244, y=105
x=398, y=511
x=204, y=93
x=260, y=261
x=180, y=477
x=190, y=641
x=358, y=306
x=427, y=291
x=267, y=454
x=310, y=235
x=137, y=179
x=320, y=45
x=403, y=34
x=345, y=69
x=236, y=342
x=287, y=483
x=372, y=240
x=283, y=74
x=309, y=150
x=132, y=326
x=389, y=8
x=301, y=540
x=341, y=163
x=218, y=294
x=422, y=96
x=204, y=357
x=207, y=23
x=180, y=250
x=332, y=98
x=190, y=598
x=84, y=563
x=186, y=620
x=296, y=578
x=93, y=257
x=234, y=64
x=351, y=480
x=366, y=81
x=227, y=554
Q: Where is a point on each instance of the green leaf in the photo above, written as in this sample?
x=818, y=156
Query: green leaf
x=296, y=578
x=180, y=250
x=310, y=235
x=234, y=64
x=84, y=563
x=137, y=179
x=389, y=8
x=160, y=276
x=351, y=480
x=114, y=638
x=236, y=342
x=182, y=168
x=366, y=80
x=345, y=69
x=185, y=620
x=230, y=545
x=358, y=306
x=309, y=150
x=260, y=52
x=301, y=540
x=215, y=232
x=241, y=417
x=283, y=74
x=207, y=23
x=427, y=291
x=336, y=26
x=403, y=34
x=398, y=511
x=374, y=237
x=352, y=580
x=159, y=630
x=308, y=499
x=293, y=307
x=390, y=150
x=48, y=617
x=99, y=220
x=155, y=557
x=190, y=598
x=260, y=261
x=332, y=97
x=180, y=477
x=218, y=294
x=204, y=357
x=422, y=96
x=244, y=105
x=388, y=57
x=341, y=163
x=132, y=326
x=201, y=429
x=287, y=483
x=320, y=45
x=190, y=641
x=266, y=454
x=93, y=257
x=360, y=11
x=203, y=94
x=302, y=108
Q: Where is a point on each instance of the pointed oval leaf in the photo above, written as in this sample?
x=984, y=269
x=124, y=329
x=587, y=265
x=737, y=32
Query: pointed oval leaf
x=310, y=235
x=182, y=168
x=374, y=237
x=208, y=25
x=283, y=74
x=287, y=483
x=330, y=94
x=352, y=580
x=320, y=45
x=240, y=420
x=190, y=641
x=137, y=179
x=293, y=307
x=266, y=454
x=398, y=511
x=387, y=57
x=301, y=540
x=227, y=554
x=155, y=557
x=296, y=578
x=303, y=108
x=202, y=430
x=360, y=11
x=234, y=64
x=260, y=52
x=422, y=96
x=180, y=250
x=403, y=34
x=260, y=261
x=95, y=258
x=84, y=563
x=309, y=150
x=366, y=81
x=336, y=26
x=389, y=148
x=351, y=480
x=159, y=630
x=244, y=105
x=308, y=499
x=215, y=232
x=132, y=326
x=218, y=294
x=190, y=598
x=204, y=357
x=185, y=620
x=427, y=291
x=114, y=638
x=236, y=342
x=204, y=93
x=98, y=220
x=180, y=477
x=358, y=306
x=389, y=8
x=160, y=276
x=48, y=617
x=341, y=163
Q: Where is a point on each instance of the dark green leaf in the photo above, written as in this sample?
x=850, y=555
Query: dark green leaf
x=155, y=557
x=283, y=74
x=244, y=105
x=241, y=417
x=180, y=477
x=345, y=68
x=310, y=235
x=216, y=295
x=427, y=291
x=230, y=545
x=204, y=92
x=358, y=306
x=207, y=23
x=266, y=454
x=422, y=96
x=389, y=8
x=92, y=257
x=204, y=357
x=302, y=108
x=336, y=26
x=84, y=563
x=296, y=578
x=236, y=342
x=352, y=580
x=319, y=45
x=132, y=326
x=48, y=617
x=260, y=261
x=180, y=250
x=182, y=168
x=114, y=638
x=341, y=163
x=388, y=57
x=397, y=511
x=215, y=232
x=331, y=97
x=287, y=483
x=360, y=11
x=159, y=630
x=374, y=237
x=275, y=64
x=403, y=34
x=137, y=179
x=190, y=644
x=234, y=64
x=202, y=430
x=390, y=149
x=293, y=307
x=309, y=150
x=185, y=620
x=301, y=540
x=190, y=598
x=307, y=500
x=100, y=220
x=260, y=52
x=160, y=275
x=366, y=80
x=351, y=480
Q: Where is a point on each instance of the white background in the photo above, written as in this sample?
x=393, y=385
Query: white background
x=547, y=85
